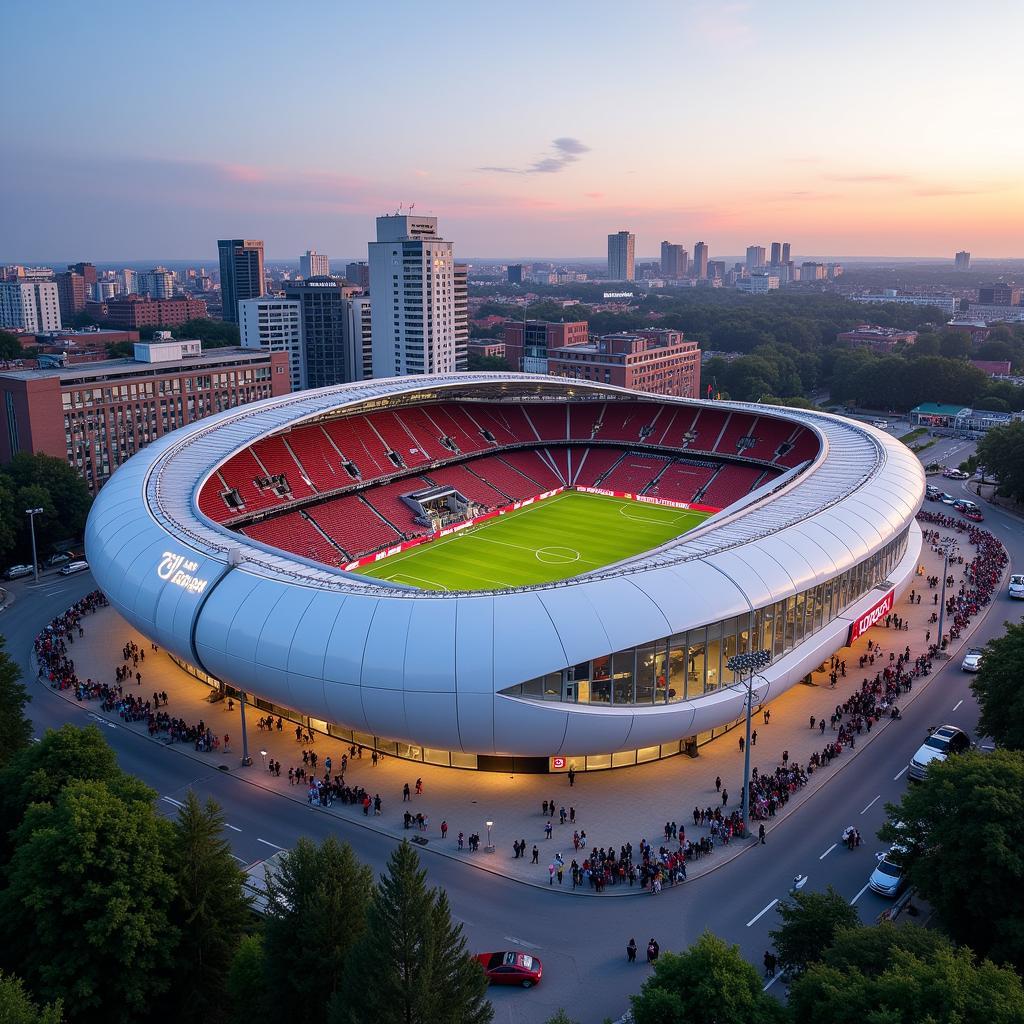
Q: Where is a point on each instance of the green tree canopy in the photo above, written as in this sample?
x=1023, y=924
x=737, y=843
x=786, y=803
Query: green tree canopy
x=964, y=833
x=997, y=687
x=210, y=910
x=1001, y=452
x=17, y=1007
x=10, y=348
x=410, y=964
x=15, y=728
x=810, y=923
x=248, y=995
x=317, y=900
x=710, y=983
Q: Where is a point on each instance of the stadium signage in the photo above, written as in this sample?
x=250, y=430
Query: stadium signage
x=876, y=612
x=618, y=295
x=180, y=571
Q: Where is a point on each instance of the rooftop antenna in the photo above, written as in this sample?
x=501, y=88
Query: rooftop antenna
x=411, y=208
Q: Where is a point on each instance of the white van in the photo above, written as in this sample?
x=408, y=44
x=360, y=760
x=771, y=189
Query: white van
x=72, y=567
x=1017, y=585
x=881, y=424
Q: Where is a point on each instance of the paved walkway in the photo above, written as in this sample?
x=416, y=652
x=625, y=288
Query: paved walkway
x=612, y=807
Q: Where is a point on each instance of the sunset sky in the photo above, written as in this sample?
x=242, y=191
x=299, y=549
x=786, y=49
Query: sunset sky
x=532, y=129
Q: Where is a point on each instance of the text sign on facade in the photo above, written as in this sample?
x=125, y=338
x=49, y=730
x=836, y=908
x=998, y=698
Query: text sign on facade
x=179, y=570
x=877, y=611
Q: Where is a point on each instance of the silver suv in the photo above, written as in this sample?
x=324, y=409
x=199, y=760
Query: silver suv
x=946, y=740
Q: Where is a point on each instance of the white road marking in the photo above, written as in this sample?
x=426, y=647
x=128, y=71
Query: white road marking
x=872, y=804
x=267, y=843
x=957, y=704
x=801, y=881
x=986, y=746
x=520, y=942
x=771, y=981
x=900, y=772
x=239, y=859
x=171, y=800
x=828, y=851
x=232, y=827
x=861, y=893
x=757, y=918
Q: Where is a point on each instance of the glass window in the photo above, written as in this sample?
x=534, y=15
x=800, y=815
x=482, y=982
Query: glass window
x=578, y=683
x=696, y=647
x=677, y=670
x=780, y=627
x=552, y=686
x=728, y=650
x=650, y=667
x=799, y=608
x=714, y=657
x=601, y=680
x=622, y=687
x=819, y=604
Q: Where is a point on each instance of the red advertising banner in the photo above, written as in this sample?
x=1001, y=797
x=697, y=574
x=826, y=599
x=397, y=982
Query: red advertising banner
x=667, y=502
x=877, y=611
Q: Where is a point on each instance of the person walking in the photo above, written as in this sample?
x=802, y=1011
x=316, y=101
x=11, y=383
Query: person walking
x=631, y=951
x=653, y=949
x=725, y=797
x=536, y=854
x=753, y=738
x=767, y=715
x=444, y=829
x=572, y=777
x=405, y=793
x=547, y=830
x=742, y=744
x=718, y=783
x=770, y=963
x=760, y=833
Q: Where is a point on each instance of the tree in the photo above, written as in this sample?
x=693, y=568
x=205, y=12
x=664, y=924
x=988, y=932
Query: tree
x=964, y=832
x=561, y=1017
x=810, y=923
x=1001, y=452
x=84, y=915
x=15, y=728
x=998, y=690
x=710, y=983
x=920, y=980
x=17, y=1007
x=870, y=949
x=246, y=985
x=317, y=899
x=120, y=349
x=410, y=965
x=210, y=909
x=10, y=348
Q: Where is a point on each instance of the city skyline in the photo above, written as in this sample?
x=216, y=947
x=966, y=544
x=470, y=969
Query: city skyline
x=818, y=150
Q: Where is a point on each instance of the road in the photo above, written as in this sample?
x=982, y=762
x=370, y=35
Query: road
x=581, y=940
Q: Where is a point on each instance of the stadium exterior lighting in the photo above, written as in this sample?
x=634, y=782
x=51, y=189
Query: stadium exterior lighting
x=489, y=848
x=750, y=662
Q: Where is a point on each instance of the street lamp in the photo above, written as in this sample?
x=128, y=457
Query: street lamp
x=749, y=662
x=947, y=545
x=264, y=753
x=32, y=513
x=489, y=848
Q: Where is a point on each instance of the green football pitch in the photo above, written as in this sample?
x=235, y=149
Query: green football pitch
x=563, y=536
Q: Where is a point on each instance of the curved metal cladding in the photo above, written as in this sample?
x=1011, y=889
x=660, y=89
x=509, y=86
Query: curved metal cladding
x=428, y=667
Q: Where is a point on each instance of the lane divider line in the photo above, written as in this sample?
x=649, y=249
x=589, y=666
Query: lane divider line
x=233, y=828
x=895, y=778
x=771, y=981
x=267, y=843
x=171, y=800
x=958, y=703
x=828, y=851
x=861, y=893
x=754, y=920
x=872, y=804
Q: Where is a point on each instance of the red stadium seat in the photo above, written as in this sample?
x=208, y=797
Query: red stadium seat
x=353, y=525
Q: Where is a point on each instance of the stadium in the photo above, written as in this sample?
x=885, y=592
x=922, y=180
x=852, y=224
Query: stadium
x=507, y=571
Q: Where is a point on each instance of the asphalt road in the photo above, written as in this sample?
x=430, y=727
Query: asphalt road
x=580, y=940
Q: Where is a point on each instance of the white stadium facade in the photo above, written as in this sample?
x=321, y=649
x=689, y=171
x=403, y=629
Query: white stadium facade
x=617, y=666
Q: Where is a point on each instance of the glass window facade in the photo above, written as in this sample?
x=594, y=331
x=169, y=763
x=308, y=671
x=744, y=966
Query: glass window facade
x=691, y=664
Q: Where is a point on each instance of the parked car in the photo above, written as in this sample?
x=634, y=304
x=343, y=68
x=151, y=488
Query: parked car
x=511, y=968
x=1016, y=586
x=17, y=571
x=955, y=474
x=61, y=558
x=881, y=424
x=946, y=499
x=946, y=740
x=974, y=515
x=972, y=660
x=931, y=492
x=73, y=567
x=888, y=879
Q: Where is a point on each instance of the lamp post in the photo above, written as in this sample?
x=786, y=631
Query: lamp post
x=748, y=662
x=246, y=759
x=489, y=848
x=947, y=546
x=264, y=753
x=32, y=513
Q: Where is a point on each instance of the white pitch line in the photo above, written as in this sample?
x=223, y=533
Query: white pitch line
x=895, y=778
x=828, y=851
x=861, y=893
x=234, y=828
x=957, y=704
x=171, y=800
x=266, y=842
x=872, y=804
x=758, y=917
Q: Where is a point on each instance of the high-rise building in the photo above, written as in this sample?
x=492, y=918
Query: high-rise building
x=460, y=292
x=962, y=260
x=785, y=252
x=674, y=261
x=129, y=281
x=776, y=258
x=755, y=257
x=700, y=261
x=72, y=293
x=515, y=273
x=359, y=336
x=157, y=283
x=358, y=274
x=275, y=324
x=999, y=294
x=323, y=329
x=31, y=306
x=621, y=253
x=716, y=270
x=87, y=270
x=810, y=271
x=528, y=343
x=412, y=272
x=314, y=264
x=241, y=273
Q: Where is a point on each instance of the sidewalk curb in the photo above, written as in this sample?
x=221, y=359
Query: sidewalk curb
x=736, y=849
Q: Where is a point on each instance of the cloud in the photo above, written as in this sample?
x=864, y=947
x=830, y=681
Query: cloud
x=870, y=179
x=931, y=191
x=566, y=150
x=594, y=195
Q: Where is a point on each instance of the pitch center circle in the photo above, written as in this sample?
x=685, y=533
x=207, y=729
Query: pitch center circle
x=557, y=555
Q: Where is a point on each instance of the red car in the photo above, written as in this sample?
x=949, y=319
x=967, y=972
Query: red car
x=975, y=516
x=511, y=968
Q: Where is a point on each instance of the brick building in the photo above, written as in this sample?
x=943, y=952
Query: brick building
x=135, y=311
x=97, y=415
x=657, y=360
x=528, y=342
x=878, y=339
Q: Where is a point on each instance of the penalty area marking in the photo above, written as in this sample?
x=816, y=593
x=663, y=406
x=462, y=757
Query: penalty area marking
x=558, y=555
x=401, y=577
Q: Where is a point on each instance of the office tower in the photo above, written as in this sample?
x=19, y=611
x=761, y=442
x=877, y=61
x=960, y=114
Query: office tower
x=811, y=271
x=88, y=272
x=755, y=257
x=128, y=281
x=275, y=324
x=358, y=274
x=32, y=306
x=962, y=260
x=72, y=294
x=157, y=283
x=359, y=337
x=674, y=260
x=323, y=329
x=785, y=252
x=314, y=264
x=999, y=295
x=700, y=260
x=515, y=273
x=776, y=254
x=460, y=293
x=241, y=273
x=412, y=293
x=716, y=270
x=621, y=248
